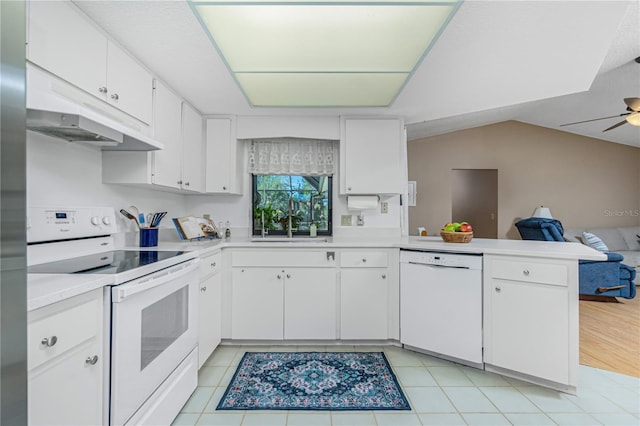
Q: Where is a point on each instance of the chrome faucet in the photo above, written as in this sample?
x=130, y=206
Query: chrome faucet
x=289, y=232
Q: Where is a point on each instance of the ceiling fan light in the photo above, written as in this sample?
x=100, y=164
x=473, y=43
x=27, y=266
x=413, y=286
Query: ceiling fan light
x=634, y=119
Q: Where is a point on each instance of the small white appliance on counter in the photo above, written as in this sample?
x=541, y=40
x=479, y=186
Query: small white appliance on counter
x=441, y=304
x=150, y=309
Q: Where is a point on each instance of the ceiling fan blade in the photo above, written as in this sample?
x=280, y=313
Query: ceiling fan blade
x=595, y=119
x=633, y=103
x=614, y=126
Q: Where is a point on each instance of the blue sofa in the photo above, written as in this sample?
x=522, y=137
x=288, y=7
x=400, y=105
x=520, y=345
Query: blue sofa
x=601, y=278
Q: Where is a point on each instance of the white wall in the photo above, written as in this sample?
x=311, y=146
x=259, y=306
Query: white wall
x=237, y=209
x=60, y=173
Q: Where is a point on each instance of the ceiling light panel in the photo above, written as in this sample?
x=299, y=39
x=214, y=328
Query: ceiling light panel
x=263, y=42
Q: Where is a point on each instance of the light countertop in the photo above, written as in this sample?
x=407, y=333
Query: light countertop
x=557, y=250
x=44, y=289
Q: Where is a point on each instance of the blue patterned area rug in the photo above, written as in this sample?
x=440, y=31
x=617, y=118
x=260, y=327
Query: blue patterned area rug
x=314, y=381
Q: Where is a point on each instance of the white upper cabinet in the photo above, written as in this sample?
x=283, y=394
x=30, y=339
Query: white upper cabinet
x=177, y=167
x=223, y=157
x=167, y=168
x=192, y=138
x=129, y=86
x=66, y=43
x=371, y=153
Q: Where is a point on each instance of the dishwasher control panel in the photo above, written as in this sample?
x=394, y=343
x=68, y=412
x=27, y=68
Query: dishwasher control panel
x=450, y=260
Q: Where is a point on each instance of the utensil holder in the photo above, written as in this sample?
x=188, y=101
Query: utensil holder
x=148, y=237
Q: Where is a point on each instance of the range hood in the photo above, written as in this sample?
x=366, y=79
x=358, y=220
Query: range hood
x=80, y=129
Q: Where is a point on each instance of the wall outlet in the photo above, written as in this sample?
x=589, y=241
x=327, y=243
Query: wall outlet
x=360, y=220
x=384, y=207
x=345, y=220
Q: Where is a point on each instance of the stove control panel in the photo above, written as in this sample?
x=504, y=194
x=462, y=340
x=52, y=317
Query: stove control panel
x=46, y=224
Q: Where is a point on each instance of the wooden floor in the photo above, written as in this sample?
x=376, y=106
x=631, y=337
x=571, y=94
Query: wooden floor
x=610, y=335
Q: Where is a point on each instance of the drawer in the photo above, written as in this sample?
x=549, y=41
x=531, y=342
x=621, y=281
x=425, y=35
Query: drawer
x=364, y=259
x=283, y=258
x=210, y=264
x=63, y=327
x=524, y=270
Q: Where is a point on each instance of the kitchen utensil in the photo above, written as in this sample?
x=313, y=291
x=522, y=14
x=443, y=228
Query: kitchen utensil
x=155, y=222
x=130, y=216
x=134, y=211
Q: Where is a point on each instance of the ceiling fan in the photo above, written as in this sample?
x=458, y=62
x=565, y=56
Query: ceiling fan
x=632, y=116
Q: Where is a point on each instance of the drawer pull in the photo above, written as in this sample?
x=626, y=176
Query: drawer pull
x=91, y=360
x=49, y=341
x=213, y=265
x=203, y=288
x=526, y=272
x=384, y=277
x=364, y=260
x=498, y=289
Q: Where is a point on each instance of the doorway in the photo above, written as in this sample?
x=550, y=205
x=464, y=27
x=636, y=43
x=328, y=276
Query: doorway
x=474, y=199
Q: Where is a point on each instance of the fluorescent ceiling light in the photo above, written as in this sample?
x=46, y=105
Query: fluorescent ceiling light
x=329, y=53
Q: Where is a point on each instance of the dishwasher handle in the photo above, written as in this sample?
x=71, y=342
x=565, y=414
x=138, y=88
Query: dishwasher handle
x=438, y=266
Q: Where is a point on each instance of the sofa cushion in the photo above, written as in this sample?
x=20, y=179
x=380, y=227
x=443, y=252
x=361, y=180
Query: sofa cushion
x=594, y=242
x=631, y=258
x=611, y=237
x=630, y=236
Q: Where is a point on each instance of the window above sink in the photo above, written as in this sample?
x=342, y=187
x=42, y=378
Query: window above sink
x=310, y=197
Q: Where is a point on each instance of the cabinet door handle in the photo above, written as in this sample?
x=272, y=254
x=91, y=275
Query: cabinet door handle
x=186, y=184
x=288, y=275
x=49, y=341
x=384, y=277
x=364, y=260
x=213, y=265
x=91, y=360
x=349, y=189
x=115, y=97
x=102, y=89
x=203, y=288
x=526, y=272
x=224, y=188
x=279, y=276
x=498, y=289
x=179, y=182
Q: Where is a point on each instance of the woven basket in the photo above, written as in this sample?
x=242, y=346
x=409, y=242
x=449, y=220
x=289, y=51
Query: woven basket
x=456, y=237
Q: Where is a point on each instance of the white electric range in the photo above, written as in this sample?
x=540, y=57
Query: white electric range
x=151, y=309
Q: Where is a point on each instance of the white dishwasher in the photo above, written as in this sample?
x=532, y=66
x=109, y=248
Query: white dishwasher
x=441, y=304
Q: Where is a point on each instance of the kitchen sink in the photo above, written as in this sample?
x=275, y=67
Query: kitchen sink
x=289, y=240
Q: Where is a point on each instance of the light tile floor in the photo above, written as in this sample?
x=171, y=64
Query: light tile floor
x=440, y=393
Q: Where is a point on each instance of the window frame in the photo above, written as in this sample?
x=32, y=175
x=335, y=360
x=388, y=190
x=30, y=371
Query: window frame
x=280, y=232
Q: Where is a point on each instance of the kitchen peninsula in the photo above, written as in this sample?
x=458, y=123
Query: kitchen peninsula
x=267, y=289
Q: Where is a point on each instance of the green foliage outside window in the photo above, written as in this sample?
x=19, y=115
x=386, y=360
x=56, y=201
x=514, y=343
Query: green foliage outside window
x=309, y=195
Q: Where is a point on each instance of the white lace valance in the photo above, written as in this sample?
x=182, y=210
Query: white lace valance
x=290, y=156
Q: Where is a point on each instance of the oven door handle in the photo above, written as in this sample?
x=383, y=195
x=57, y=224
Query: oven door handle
x=121, y=292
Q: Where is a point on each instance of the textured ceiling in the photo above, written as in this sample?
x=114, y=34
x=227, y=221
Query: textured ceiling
x=540, y=62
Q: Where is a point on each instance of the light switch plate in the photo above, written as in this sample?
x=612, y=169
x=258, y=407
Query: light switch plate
x=360, y=220
x=384, y=207
x=345, y=220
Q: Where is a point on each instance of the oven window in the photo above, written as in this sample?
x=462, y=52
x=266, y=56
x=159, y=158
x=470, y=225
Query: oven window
x=162, y=323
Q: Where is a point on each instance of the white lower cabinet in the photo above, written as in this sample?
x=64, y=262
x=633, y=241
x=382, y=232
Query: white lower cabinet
x=257, y=303
x=310, y=303
x=530, y=317
x=364, y=303
x=210, y=308
x=283, y=294
x=66, y=361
